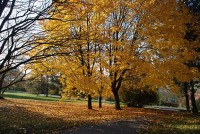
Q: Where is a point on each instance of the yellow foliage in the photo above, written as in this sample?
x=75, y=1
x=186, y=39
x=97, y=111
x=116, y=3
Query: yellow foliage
x=143, y=39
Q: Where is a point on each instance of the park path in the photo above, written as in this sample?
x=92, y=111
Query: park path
x=136, y=126
x=113, y=127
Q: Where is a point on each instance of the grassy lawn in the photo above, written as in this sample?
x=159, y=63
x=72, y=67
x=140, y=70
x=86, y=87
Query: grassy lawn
x=24, y=95
x=31, y=116
x=41, y=97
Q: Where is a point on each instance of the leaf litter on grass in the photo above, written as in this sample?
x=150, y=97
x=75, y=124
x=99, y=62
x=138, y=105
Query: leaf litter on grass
x=51, y=117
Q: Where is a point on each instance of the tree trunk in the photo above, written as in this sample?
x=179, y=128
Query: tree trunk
x=187, y=102
x=47, y=93
x=1, y=85
x=47, y=90
x=89, y=101
x=117, y=101
x=186, y=97
x=1, y=95
x=100, y=101
x=192, y=96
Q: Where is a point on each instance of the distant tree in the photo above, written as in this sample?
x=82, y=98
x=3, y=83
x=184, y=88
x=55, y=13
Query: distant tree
x=193, y=36
x=10, y=78
x=33, y=87
x=54, y=85
x=44, y=85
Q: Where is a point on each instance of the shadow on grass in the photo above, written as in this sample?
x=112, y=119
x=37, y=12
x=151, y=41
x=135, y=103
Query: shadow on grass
x=18, y=120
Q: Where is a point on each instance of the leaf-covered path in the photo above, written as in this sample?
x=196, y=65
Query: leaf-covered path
x=116, y=127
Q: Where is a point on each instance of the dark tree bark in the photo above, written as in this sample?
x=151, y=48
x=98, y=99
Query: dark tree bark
x=47, y=86
x=100, y=101
x=116, y=84
x=1, y=93
x=192, y=96
x=186, y=96
x=47, y=92
x=117, y=101
x=100, y=90
x=1, y=97
x=2, y=89
x=89, y=101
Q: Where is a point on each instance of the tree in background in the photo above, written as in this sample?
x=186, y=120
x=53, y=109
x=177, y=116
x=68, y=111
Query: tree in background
x=43, y=85
x=193, y=36
x=10, y=79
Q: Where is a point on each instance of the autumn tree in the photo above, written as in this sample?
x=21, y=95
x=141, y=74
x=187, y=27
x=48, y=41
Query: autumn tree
x=77, y=33
x=144, y=38
x=149, y=43
x=192, y=35
x=171, y=48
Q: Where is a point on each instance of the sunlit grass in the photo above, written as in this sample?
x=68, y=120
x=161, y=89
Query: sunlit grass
x=188, y=127
x=24, y=95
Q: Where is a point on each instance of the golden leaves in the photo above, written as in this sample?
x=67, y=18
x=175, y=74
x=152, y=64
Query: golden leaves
x=49, y=117
x=144, y=37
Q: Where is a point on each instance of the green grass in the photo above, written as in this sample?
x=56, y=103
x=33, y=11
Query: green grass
x=41, y=97
x=24, y=95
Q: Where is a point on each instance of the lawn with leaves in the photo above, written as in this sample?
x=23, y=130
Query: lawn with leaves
x=28, y=116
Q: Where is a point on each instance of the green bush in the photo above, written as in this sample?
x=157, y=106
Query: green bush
x=110, y=98
x=169, y=104
x=53, y=92
x=139, y=97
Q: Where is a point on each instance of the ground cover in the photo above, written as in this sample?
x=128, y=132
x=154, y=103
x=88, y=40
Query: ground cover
x=30, y=116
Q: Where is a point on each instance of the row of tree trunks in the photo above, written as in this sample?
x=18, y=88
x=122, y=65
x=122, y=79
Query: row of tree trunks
x=90, y=101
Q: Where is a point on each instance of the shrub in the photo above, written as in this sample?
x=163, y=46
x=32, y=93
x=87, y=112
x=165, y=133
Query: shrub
x=139, y=97
x=53, y=92
x=110, y=98
x=169, y=104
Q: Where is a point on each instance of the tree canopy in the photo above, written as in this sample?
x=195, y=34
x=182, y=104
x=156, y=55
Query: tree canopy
x=111, y=41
